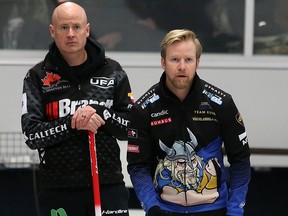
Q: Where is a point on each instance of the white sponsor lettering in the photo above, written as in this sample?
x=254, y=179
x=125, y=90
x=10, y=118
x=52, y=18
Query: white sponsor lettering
x=144, y=97
x=49, y=132
x=151, y=100
x=213, y=97
x=243, y=138
x=163, y=112
x=67, y=106
x=119, y=211
x=241, y=205
x=102, y=82
x=122, y=121
x=217, y=91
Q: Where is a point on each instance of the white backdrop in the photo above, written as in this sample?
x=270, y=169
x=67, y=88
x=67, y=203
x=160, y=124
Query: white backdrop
x=258, y=86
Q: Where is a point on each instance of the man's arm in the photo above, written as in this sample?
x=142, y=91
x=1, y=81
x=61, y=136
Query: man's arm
x=238, y=154
x=117, y=117
x=38, y=131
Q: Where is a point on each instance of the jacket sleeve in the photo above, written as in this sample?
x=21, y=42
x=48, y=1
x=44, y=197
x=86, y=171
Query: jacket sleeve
x=140, y=159
x=117, y=117
x=143, y=185
x=37, y=130
x=238, y=154
x=240, y=174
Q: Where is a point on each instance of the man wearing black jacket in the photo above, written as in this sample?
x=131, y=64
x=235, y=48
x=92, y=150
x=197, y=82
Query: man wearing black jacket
x=176, y=134
x=76, y=89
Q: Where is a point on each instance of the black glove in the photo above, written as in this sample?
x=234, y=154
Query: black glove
x=156, y=211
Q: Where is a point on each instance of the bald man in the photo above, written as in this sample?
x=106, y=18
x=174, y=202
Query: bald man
x=76, y=89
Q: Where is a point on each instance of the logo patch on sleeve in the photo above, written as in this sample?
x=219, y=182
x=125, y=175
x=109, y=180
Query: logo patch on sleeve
x=130, y=95
x=133, y=148
x=239, y=119
x=133, y=133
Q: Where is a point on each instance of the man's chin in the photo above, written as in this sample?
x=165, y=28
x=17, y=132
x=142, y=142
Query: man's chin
x=181, y=85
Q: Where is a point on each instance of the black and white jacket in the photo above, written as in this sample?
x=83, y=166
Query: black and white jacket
x=52, y=91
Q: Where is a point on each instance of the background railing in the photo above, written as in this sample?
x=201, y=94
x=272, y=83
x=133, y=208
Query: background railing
x=14, y=153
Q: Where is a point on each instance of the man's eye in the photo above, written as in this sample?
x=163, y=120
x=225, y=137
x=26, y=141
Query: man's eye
x=189, y=60
x=76, y=28
x=63, y=28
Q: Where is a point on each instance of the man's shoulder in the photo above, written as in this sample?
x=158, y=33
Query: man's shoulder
x=213, y=88
x=36, y=68
x=149, y=97
x=38, y=65
x=214, y=93
x=112, y=62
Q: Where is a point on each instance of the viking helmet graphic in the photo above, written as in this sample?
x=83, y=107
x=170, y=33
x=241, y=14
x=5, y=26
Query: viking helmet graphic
x=181, y=150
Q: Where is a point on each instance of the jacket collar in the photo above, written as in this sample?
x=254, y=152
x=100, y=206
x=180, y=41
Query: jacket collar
x=167, y=93
x=56, y=63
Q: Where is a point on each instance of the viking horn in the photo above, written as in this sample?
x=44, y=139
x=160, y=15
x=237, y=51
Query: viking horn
x=193, y=138
x=169, y=151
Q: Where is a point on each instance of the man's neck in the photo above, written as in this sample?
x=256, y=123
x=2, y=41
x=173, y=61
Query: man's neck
x=76, y=59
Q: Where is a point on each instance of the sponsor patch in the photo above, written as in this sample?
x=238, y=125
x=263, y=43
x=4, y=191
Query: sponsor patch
x=50, y=132
x=163, y=112
x=64, y=107
x=53, y=82
x=133, y=133
x=51, y=79
x=215, y=90
x=130, y=95
x=215, y=98
x=133, y=148
x=120, y=120
x=144, y=97
x=243, y=138
x=204, y=115
x=114, y=212
x=205, y=106
x=239, y=119
x=161, y=121
x=24, y=103
x=102, y=82
x=151, y=100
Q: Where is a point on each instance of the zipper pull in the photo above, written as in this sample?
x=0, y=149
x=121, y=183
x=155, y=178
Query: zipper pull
x=79, y=87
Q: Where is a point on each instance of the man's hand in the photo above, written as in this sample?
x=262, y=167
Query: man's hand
x=86, y=118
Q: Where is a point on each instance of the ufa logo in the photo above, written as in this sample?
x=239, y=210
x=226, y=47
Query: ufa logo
x=102, y=82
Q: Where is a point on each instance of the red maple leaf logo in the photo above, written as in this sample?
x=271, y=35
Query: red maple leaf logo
x=51, y=79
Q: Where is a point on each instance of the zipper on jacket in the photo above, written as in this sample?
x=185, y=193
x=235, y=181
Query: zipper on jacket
x=79, y=91
x=184, y=130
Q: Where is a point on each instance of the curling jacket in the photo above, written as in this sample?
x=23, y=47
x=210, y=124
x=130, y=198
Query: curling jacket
x=52, y=92
x=175, y=157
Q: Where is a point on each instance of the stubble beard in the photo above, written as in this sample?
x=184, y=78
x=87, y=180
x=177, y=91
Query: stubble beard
x=180, y=84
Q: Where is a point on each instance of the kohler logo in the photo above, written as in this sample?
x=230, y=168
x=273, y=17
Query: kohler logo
x=102, y=82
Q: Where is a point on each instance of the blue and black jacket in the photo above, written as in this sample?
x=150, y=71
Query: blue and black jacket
x=175, y=150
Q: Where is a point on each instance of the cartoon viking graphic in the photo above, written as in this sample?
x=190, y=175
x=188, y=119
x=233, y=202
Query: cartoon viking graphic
x=184, y=178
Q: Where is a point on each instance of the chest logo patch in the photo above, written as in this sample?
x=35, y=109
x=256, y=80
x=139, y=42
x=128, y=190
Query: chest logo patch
x=161, y=121
x=51, y=79
x=102, y=82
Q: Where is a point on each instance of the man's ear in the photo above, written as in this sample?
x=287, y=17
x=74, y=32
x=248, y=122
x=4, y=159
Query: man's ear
x=87, y=29
x=197, y=63
x=52, y=31
x=163, y=64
